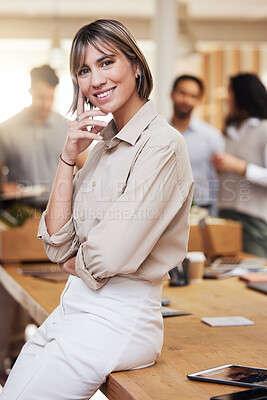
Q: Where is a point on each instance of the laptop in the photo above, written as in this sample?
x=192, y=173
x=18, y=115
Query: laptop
x=252, y=263
x=224, y=267
x=260, y=287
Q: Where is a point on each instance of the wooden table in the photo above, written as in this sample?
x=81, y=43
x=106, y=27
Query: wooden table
x=189, y=344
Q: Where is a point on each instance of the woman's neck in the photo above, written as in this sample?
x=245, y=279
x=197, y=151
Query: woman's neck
x=123, y=115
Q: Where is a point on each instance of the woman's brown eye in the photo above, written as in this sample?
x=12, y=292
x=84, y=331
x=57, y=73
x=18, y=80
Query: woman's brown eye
x=83, y=71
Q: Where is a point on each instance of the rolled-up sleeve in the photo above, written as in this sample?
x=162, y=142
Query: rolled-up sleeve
x=157, y=187
x=61, y=245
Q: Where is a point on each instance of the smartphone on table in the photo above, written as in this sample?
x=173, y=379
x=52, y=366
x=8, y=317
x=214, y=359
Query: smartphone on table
x=251, y=394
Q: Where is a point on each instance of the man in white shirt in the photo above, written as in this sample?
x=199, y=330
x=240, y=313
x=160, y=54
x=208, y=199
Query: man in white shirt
x=202, y=139
x=31, y=141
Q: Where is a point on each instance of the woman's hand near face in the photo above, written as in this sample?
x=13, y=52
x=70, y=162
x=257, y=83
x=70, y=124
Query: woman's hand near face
x=79, y=138
x=59, y=206
x=227, y=162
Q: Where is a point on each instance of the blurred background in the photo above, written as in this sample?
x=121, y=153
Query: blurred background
x=209, y=38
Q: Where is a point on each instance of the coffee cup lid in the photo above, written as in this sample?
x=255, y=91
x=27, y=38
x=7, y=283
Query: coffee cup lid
x=196, y=256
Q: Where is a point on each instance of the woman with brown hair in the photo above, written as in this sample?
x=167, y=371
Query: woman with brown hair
x=117, y=228
x=243, y=167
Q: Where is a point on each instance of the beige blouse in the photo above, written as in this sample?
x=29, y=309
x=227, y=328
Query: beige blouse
x=131, y=204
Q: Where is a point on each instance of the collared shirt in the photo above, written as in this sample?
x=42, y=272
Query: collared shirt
x=131, y=204
x=31, y=151
x=254, y=173
x=202, y=141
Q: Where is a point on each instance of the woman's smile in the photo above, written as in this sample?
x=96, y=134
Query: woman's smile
x=105, y=94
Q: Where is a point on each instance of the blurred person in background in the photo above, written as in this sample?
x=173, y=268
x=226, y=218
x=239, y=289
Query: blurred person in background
x=243, y=166
x=30, y=145
x=202, y=139
x=31, y=141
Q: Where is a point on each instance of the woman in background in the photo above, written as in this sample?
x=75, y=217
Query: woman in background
x=243, y=167
x=117, y=229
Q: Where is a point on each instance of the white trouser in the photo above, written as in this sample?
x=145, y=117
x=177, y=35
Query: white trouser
x=89, y=335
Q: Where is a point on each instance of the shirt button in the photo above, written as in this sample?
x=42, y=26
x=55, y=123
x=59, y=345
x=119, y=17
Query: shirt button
x=94, y=183
x=82, y=218
x=108, y=152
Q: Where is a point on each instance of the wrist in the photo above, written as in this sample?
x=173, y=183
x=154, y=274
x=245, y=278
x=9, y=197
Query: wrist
x=67, y=161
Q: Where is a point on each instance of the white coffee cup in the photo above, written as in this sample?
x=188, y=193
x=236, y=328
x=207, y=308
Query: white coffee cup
x=196, y=263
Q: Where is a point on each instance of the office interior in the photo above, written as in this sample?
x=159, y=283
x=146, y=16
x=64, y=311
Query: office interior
x=211, y=39
x=208, y=38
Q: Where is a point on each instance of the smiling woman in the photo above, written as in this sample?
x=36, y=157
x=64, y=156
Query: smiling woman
x=117, y=228
x=114, y=52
